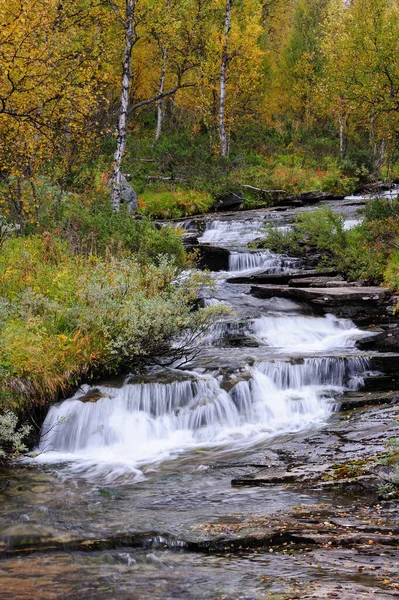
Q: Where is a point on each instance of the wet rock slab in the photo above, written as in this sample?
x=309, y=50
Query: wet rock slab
x=322, y=458
x=320, y=282
x=363, y=304
x=353, y=400
x=282, y=278
x=386, y=341
x=213, y=258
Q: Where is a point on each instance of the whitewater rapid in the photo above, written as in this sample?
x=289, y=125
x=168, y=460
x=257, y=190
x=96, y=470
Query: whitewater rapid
x=129, y=431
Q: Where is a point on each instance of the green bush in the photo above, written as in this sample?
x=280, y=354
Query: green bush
x=282, y=241
x=90, y=227
x=11, y=437
x=361, y=252
x=381, y=208
x=174, y=203
x=321, y=228
x=391, y=275
x=64, y=316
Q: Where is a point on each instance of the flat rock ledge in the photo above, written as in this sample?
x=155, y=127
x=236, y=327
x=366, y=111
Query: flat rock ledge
x=363, y=304
x=266, y=277
x=387, y=341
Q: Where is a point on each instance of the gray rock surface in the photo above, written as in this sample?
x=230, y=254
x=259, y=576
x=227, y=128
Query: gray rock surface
x=229, y=201
x=128, y=195
x=363, y=304
x=387, y=341
x=283, y=278
x=213, y=258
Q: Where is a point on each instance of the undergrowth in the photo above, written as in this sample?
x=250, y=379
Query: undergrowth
x=368, y=251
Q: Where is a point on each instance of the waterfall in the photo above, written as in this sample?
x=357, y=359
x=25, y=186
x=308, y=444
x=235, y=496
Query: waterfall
x=288, y=386
x=329, y=372
x=265, y=260
x=141, y=424
x=232, y=233
x=305, y=334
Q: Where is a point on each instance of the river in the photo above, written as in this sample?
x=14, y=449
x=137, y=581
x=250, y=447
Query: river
x=136, y=474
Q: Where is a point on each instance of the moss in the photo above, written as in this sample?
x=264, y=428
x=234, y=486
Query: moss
x=174, y=203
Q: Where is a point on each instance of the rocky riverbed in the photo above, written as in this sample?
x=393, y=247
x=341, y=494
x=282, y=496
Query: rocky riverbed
x=262, y=468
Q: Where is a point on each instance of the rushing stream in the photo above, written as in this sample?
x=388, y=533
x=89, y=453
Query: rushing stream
x=156, y=455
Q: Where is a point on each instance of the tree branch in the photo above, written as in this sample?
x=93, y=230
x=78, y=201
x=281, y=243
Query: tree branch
x=159, y=97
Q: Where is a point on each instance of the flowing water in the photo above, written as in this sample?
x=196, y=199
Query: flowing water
x=157, y=455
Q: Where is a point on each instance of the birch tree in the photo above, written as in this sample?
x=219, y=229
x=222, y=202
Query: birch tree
x=51, y=86
x=230, y=87
x=224, y=146
x=130, y=40
x=155, y=23
x=333, y=86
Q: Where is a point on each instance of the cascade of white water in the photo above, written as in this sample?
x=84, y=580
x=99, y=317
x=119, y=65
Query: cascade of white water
x=265, y=260
x=328, y=372
x=139, y=424
x=305, y=334
x=137, y=413
x=232, y=233
x=143, y=424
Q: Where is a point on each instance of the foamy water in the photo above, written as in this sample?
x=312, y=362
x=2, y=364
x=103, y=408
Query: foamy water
x=142, y=424
x=306, y=333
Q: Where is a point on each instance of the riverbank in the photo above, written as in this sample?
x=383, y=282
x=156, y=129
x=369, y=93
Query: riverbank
x=67, y=317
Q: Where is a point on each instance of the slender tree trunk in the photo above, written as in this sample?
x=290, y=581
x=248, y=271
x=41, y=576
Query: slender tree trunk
x=343, y=121
x=377, y=148
x=224, y=146
x=160, y=92
x=342, y=143
x=124, y=105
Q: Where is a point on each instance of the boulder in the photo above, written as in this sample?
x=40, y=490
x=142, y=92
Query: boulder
x=128, y=195
x=190, y=240
x=387, y=341
x=386, y=363
x=92, y=396
x=213, y=258
x=374, y=188
x=229, y=201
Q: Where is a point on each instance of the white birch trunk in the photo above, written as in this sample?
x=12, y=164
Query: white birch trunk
x=341, y=138
x=343, y=121
x=224, y=146
x=378, y=148
x=124, y=105
x=160, y=92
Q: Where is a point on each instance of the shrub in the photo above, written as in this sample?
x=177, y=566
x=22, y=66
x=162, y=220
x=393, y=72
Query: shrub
x=11, y=437
x=391, y=275
x=321, y=228
x=282, y=241
x=90, y=227
x=73, y=317
x=358, y=253
x=381, y=208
